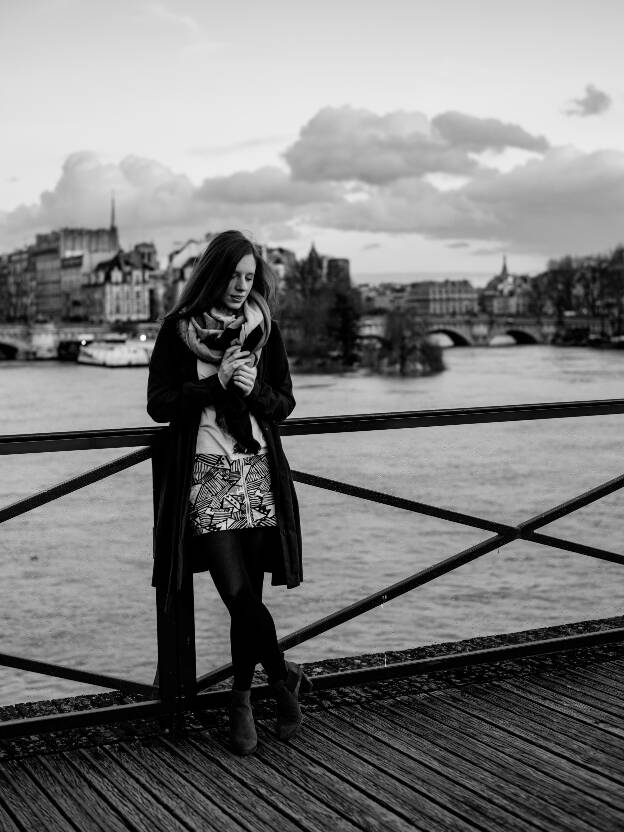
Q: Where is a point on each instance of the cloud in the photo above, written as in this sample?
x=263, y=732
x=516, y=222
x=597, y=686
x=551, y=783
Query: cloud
x=188, y=24
x=371, y=246
x=343, y=143
x=353, y=170
x=565, y=201
x=155, y=202
x=264, y=185
x=235, y=147
x=478, y=134
x=593, y=103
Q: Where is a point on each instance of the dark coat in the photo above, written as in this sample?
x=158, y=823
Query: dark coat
x=176, y=395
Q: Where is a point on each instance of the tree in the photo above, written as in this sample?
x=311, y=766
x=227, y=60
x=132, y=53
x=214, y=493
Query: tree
x=321, y=317
x=407, y=346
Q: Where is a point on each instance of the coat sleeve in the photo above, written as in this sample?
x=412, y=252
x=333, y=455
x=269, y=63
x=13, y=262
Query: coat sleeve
x=272, y=397
x=169, y=398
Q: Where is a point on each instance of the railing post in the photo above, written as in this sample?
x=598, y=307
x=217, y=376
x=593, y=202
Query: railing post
x=176, y=674
x=185, y=632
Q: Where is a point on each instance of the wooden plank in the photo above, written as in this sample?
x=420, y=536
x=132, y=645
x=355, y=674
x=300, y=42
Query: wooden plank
x=31, y=807
x=498, y=712
x=291, y=797
x=221, y=787
x=383, y=776
x=332, y=786
x=469, y=799
x=600, y=680
x=128, y=796
x=7, y=824
x=500, y=732
x=546, y=797
x=585, y=688
x=381, y=779
x=182, y=798
x=577, y=702
x=568, y=727
x=89, y=805
x=487, y=781
x=572, y=716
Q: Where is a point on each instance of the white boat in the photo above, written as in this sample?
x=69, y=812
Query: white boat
x=116, y=351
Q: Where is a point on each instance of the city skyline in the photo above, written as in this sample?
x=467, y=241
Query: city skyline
x=390, y=136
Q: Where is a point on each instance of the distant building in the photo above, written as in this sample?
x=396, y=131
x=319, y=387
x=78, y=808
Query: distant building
x=118, y=290
x=4, y=287
x=60, y=273
x=507, y=294
x=381, y=297
x=180, y=264
x=18, y=286
x=441, y=298
x=372, y=325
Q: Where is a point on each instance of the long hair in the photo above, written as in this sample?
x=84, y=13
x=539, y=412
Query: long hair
x=213, y=270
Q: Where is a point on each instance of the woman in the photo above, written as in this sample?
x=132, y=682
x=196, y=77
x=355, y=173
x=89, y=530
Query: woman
x=226, y=501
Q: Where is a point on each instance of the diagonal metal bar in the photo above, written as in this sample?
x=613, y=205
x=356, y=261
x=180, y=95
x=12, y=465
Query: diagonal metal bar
x=74, y=484
x=371, y=601
x=83, y=676
x=571, y=546
x=523, y=530
x=570, y=505
x=401, y=502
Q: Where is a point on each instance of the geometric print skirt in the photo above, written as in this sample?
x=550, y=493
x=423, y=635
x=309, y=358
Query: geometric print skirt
x=230, y=493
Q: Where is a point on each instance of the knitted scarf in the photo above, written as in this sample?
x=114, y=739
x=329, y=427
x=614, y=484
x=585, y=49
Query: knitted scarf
x=209, y=335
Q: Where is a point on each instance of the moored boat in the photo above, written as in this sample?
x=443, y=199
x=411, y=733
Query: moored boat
x=116, y=351
x=68, y=348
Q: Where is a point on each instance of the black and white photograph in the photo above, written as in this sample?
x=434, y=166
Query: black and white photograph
x=311, y=416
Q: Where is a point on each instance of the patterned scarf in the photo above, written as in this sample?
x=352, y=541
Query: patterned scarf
x=210, y=335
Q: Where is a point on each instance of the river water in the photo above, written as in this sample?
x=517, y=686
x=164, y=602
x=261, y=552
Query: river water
x=75, y=574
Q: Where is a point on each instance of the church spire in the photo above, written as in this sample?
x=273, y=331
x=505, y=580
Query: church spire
x=504, y=272
x=113, y=233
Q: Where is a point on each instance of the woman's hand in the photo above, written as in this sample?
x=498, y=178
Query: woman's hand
x=233, y=359
x=245, y=378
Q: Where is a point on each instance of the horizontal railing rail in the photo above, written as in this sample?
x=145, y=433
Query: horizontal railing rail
x=178, y=687
x=129, y=437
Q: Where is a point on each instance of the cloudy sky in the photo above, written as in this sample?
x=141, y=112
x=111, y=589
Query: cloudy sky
x=407, y=135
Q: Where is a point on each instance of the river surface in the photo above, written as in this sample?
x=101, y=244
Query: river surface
x=75, y=574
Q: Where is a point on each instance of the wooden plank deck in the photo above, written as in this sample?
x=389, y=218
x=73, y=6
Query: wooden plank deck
x=539, y=750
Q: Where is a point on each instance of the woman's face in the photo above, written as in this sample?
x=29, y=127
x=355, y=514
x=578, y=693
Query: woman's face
x=236, y=291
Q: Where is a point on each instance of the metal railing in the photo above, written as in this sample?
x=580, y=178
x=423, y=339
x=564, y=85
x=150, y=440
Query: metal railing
x=179, y=688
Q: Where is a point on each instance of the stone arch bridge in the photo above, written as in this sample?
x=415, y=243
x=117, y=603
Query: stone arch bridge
x=480, y=330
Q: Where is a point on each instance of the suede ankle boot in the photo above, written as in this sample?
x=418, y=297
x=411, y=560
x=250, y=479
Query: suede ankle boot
x=289, y=716
x=243, y=737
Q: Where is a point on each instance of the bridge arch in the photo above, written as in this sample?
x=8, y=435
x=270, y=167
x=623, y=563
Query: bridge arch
x=458, y=338
x=522, y=336
x=8, y=351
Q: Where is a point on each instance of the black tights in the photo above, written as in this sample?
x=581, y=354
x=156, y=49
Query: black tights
x=236, y=563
